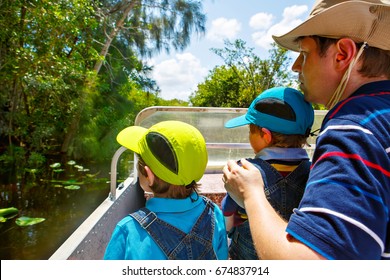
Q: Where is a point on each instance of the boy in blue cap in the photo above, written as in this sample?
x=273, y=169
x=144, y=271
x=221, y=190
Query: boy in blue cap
x=279, y=121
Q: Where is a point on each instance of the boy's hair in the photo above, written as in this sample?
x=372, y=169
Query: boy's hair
x=282, y=140
x=375, y=62
x=168, y=190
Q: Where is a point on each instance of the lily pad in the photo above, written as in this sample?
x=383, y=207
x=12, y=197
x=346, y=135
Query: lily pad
x=79, y=167
x=72, y=182
x=8, y=213
x=27, y=221
x=55, y=165
x=72, y=187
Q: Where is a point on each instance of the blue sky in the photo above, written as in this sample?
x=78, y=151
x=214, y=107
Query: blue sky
x=253, y=21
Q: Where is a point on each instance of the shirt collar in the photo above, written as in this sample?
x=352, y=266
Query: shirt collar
x=158, y=204
x=286, y=154
x=374, y=87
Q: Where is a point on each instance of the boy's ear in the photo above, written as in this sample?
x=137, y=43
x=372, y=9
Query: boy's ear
x=149, y=175
x=267, y=135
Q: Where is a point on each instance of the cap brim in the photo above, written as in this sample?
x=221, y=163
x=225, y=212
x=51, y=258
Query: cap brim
x=348, y=19
x=236, y=122
x=131, y=136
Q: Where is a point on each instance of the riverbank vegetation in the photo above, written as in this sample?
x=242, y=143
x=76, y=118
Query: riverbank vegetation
x=73, y=74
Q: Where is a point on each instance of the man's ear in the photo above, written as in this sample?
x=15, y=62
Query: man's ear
x=345, y=52
x=149, y=175
x=267, y=135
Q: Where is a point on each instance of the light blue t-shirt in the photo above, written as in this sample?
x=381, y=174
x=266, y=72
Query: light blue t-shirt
x=130, y=241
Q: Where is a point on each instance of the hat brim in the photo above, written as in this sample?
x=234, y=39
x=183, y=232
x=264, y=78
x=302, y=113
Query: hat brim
x=236, y=122
x=131, y=136
x=353, y=19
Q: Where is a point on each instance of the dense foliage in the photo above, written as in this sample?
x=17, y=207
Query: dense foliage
x=72, y=73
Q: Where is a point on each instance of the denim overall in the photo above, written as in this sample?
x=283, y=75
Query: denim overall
x=176, y=244
x=283, y=193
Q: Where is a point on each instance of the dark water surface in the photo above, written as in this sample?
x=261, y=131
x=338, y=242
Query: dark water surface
x=63, y=209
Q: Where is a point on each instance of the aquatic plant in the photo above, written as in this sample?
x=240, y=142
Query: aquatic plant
x=28, y=221
x=72, y=187
x=11, y=212
x=8, y=213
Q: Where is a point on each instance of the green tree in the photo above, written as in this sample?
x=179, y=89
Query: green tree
x=45, y=53
x=134, y=29
x=243, y=76
x=54, y=95
x=150, y=25
x=222, y=88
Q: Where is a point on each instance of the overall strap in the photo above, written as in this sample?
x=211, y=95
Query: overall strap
x=165, y=235
x=171, y=240
x=301, y=173
x=144, y=217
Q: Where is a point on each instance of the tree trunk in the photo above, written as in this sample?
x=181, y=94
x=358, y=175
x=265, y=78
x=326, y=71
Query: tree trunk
x=72, y=129
x=118, y=26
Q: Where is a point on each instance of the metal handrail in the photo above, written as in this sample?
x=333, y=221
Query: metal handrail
x=114, y=164
x=244, y=146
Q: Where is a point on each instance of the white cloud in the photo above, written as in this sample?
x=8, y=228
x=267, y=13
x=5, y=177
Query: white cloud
x=222, y=28
x=293, y=12
x=179, y=76
x=261, y=21
x=291, y=18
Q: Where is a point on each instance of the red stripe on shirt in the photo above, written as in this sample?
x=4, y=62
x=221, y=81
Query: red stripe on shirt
x=351, y=98
x=357, y=157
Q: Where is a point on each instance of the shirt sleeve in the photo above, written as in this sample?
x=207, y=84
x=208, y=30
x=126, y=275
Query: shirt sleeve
x=228, y=205
x=116, y=247
x=220, y=236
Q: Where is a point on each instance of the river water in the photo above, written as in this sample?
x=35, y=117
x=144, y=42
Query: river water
x=63, y=209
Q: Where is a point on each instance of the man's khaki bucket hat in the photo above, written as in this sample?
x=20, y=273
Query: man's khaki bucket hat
x=362, y=21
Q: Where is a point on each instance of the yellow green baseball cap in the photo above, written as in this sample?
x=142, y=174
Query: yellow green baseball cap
x=175, y=151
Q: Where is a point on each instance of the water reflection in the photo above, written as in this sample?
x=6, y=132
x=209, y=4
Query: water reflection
x=63, y=209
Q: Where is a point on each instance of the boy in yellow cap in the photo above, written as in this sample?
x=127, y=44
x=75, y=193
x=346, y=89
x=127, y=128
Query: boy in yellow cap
x=176, y=223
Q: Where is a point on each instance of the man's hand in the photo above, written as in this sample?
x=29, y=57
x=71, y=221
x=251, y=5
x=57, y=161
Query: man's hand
x=242, y=181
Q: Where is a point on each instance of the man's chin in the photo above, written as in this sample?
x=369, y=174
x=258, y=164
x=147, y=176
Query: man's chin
x=302, y=87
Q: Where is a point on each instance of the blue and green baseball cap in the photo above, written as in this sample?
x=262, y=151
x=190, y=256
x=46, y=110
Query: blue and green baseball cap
x=280, y=109
x=175, y=151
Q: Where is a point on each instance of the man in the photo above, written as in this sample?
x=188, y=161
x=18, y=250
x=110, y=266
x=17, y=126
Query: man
x=344, y=63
